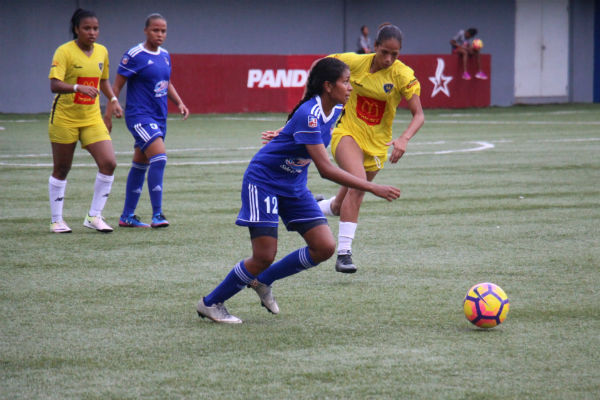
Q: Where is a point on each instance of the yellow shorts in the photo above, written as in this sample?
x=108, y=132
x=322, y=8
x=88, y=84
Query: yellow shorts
x=370, y=162
x=86, y=134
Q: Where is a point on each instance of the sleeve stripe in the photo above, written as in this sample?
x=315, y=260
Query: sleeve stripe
x=124, y=67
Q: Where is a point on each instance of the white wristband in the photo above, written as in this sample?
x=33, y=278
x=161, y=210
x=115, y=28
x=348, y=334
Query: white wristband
x=113, y=99
x=75, y=88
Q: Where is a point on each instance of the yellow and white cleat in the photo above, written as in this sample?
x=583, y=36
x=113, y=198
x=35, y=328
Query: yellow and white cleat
x=97, y=223
x=60, y=227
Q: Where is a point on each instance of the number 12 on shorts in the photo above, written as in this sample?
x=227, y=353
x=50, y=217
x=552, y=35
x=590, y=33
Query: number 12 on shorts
x=271, y=204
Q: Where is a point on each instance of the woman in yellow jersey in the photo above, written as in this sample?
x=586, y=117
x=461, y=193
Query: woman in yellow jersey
x=79, y=70
x=361, y=139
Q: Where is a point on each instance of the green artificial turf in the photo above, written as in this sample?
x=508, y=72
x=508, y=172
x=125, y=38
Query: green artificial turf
x=505, y=195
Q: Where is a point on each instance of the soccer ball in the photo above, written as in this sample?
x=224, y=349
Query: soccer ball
x=477, y=44
x=486, y=305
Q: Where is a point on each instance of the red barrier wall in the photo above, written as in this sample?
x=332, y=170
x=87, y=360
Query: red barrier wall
x=211, y=83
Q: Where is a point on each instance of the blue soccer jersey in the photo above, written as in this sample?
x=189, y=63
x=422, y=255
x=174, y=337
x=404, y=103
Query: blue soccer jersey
x=148, y=75
x=282, y=165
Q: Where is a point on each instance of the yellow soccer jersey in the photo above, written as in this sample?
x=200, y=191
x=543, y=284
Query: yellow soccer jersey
x=370, y=111
x=71, y=65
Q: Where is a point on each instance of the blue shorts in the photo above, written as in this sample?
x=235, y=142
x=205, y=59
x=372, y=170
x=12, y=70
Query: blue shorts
x=145, y=131
x=261, y=208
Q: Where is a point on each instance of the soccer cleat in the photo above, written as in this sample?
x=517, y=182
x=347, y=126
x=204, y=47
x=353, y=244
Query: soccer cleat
x=159, y=221
x=60, y=227
x=344, y=263
x=481, y=75
x=466, y=76
x=132, y=221
x=217, y=312
x=97, y=223
x=266, y=296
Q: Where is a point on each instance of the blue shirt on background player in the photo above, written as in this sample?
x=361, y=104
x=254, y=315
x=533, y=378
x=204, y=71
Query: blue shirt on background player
x=275, y=186
x=146, y=68
x=148, y=74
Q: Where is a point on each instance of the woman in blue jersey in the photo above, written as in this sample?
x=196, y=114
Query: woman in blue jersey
x=146, y=68
x=275, y=186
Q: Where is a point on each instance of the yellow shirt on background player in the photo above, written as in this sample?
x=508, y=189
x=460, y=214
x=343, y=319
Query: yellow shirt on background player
x=371, y=109
x=71, y=65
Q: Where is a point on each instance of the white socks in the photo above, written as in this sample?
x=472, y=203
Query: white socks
x=325, y=206
x=345, y=236
x=56, y=194
x=102, y=188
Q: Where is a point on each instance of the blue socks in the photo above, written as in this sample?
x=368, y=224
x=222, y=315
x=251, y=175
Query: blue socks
x=291, y=264
x=155, y=181
x=238, y=278
x=235, y=281
x=133, y=189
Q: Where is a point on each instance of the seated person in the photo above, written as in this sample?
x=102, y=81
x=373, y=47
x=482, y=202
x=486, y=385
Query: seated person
x=462, y=44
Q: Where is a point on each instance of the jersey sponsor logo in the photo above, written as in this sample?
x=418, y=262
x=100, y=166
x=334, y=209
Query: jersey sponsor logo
x=370, y=110
x=388, y=87
x=412, y=83
x=295, y=165
x=77, y=66
x=150, y=62
x=440, y=81
x=84, y=99
x=160, y=89
x=276, y=78
x=312, y=121
x=167, y=61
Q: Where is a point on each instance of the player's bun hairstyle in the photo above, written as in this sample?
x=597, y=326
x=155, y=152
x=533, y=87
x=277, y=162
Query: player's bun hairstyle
x=327, y=69
x=78, y=15
x=152, y=17
x=388, y=31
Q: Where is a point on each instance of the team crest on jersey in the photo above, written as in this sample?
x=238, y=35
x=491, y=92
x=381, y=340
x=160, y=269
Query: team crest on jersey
x=125, y=60
x=166, y=60
x=312, y=121
x=388, y=87
x=100, y=66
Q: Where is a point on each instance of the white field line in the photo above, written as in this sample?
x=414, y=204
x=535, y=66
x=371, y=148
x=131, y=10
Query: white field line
x=480, y=146
x=191, y=149
x=516, y=114
x=489, y=122
x=396, y=121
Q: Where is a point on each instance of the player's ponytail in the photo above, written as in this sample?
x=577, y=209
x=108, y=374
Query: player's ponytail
x=327, y=69
x=78, y=15
x=388, y=31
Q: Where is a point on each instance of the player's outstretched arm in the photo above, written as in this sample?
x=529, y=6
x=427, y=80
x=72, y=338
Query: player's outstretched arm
x=327, y=170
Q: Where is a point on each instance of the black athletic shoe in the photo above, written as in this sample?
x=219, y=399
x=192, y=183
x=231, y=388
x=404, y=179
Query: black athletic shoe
x=344, y=264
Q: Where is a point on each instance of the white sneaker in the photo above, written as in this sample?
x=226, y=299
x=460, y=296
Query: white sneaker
x=266, y=296
x=216, y=312
x=97, y=223
x=60, y=227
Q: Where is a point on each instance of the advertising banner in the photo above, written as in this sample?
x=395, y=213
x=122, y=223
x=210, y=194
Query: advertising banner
x=217, y=83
